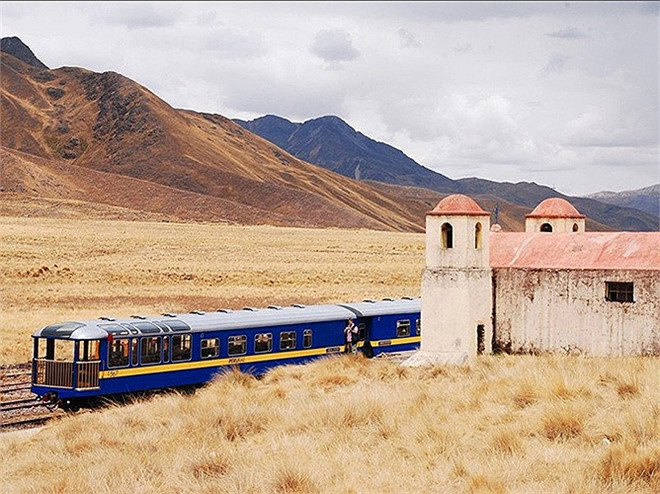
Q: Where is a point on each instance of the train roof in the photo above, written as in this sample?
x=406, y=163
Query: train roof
x=386, y=306
x=222, y=319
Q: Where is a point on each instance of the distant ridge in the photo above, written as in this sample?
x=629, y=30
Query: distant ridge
x=14, y=46
x=646, y=199
x=330, y=142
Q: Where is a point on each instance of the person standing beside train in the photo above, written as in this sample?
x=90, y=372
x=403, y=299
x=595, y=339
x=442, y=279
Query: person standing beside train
x=350, y=336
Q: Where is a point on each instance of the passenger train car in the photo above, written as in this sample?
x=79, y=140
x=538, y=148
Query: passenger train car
x=77, y=361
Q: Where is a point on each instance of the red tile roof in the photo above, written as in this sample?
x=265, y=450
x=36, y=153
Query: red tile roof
x=458, y=204
x=587, y=250
x=554, y=207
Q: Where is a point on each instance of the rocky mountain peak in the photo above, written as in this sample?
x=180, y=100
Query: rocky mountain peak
x=15, y=47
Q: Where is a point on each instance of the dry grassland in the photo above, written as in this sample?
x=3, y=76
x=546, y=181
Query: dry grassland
x=55, y=270
x=345, y=424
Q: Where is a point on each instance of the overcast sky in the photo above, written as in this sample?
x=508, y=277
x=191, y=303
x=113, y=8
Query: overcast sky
x=561, y=94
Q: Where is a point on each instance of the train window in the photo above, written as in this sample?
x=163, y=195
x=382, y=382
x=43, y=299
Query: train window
x=166, y=349
x=118, y=353
x=418, y=327
x=210, y=347
x=307, y=338
x=181, y=347
x=237, y=345
x=134, y=351
x=403, y=327
x=114, y=329
x=287, y=340
x=146, y=327
x=177, y=325
x=162, y=326
x=51, y=349
x=88, y=350
x=129, y=328
x=150, y=350
x=263, y=342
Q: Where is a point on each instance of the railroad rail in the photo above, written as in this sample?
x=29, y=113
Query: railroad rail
x=24, y=422
x=19, y=408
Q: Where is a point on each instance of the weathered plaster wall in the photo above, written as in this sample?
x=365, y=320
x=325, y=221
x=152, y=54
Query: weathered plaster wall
x=454, y=302
x=566, y=310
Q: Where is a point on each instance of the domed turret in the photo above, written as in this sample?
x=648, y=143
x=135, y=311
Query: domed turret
x=554, y=215
x=457, y=234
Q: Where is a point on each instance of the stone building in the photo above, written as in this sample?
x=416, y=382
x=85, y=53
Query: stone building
x=552, y=288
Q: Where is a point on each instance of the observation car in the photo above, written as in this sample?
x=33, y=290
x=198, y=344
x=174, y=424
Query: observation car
x=77, y=361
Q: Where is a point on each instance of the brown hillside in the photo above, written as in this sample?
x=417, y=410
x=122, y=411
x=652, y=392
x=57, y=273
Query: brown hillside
x=73, y=134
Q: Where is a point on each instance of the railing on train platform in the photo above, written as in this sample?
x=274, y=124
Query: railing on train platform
x=60, y=373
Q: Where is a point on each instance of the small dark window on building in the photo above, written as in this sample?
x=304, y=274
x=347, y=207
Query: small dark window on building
x=575, y=227
x=481, y=343
x=447, y=233
x=616, y=291
x=477, y=236
x=546, y=227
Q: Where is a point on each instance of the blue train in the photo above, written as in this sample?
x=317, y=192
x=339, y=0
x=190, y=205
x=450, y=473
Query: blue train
x=74, y=362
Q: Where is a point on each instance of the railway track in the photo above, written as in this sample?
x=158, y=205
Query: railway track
x=19, y=408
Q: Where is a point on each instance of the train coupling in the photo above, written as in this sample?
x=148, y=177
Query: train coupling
x=50, y=400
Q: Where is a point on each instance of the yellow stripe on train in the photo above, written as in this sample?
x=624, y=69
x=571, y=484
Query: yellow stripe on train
x=243, y=359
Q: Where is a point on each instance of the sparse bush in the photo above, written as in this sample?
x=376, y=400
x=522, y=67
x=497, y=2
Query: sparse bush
x=631, y=464
x=562, y=422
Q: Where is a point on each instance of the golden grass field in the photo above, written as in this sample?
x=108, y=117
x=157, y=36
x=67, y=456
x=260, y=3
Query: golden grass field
x=56, y=269
x=343, y=424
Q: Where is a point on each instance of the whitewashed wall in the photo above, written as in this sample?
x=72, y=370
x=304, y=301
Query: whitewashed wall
x=566, y=311
x=454, y=303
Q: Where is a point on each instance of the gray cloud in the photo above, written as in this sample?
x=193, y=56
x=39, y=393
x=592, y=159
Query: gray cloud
x=568, y=33
x=334, y=46
x=556, y=63
x=407, y=39
x=136, y=15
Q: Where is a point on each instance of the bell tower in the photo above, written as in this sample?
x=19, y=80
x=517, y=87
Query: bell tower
x=555, y=215
x=456, y=287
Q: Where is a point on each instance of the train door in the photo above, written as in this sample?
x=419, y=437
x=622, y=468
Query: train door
x=364, y=336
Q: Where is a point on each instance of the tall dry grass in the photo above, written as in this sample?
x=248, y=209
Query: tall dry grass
x=348, y=424
x=52, y=270
x=506, y=424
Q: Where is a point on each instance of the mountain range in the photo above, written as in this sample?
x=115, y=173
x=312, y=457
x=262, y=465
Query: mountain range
x=81, y=142
x=646, y=199
x=332, y=143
